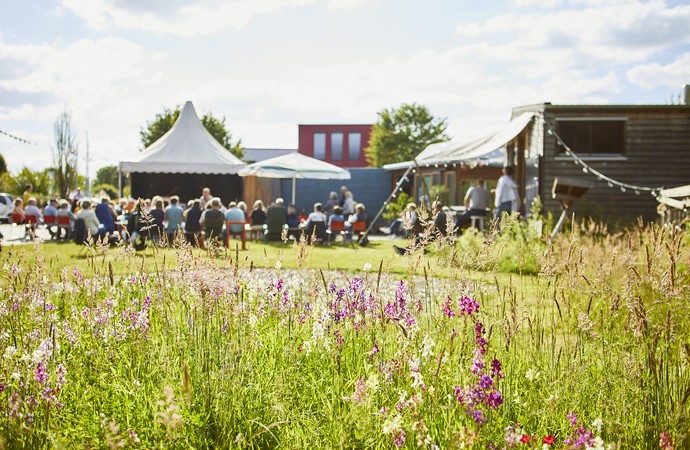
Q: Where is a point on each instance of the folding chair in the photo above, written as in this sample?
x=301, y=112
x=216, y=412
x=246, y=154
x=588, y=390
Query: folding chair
x=64, y=223
x=337, y=227
x=31, y=225
x=48, y=222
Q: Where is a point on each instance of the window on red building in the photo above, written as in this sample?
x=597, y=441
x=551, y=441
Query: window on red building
x=320, y=145
x=354, y=144
x=336, y=146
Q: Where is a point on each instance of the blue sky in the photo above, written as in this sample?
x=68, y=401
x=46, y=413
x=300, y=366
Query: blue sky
x=269, y=65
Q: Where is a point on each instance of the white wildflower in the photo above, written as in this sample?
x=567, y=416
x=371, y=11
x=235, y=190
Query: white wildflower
x=598, y=423
x=392, y=424
x=532, y=375
x=10, y=351
x=367, y=267
x=372, y=383
x=598, y=444
x=427, y=346
x=278, y=265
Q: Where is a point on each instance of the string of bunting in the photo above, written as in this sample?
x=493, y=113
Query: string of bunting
x=586, y=168
x=23, y=141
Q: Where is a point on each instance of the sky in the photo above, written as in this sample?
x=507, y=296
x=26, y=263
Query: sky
x=267, y=66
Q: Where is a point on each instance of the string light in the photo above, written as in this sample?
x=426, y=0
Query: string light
x=600, y=176
x=23, y=141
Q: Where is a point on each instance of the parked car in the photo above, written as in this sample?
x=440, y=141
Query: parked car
x=6, y=205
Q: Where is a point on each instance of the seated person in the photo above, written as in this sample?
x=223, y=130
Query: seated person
x=213, y=222
x=17, y=213
x=32, y=210
x=64, y=211
x=91, y=222
x=235, y=214
x=360, y=215
x=51, y=211
x=173, y=214
x=258, y=219
x=276, y=219
x=316, y=223
x=293, y=221
x=477, y=201
x=106, y=215
x=337, y=216
x=192, y=222
x=157, y=213
x=437, y=229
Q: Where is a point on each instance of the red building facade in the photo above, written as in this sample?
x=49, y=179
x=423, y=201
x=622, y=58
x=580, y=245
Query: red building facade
x=340, y=145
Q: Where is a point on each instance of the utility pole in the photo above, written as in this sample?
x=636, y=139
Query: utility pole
x=87, y=188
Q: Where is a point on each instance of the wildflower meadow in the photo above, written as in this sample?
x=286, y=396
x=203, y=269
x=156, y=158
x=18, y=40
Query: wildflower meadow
x=505, y=343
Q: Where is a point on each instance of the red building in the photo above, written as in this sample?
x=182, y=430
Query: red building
x=341, y=145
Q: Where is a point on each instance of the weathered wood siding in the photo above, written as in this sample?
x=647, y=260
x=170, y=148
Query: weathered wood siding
x=657, y=155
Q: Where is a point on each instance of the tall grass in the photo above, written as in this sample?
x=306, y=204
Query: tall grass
x=586, y=345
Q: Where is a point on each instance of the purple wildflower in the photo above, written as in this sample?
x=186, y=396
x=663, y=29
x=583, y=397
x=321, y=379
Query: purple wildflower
x=486, y=382
x=478, y=417
x=494, y=399
x=573, y=419
x=399, y=438
x=496, y=368
x=41, y=376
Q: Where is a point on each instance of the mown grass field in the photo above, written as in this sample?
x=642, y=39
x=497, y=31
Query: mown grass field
x=511, y=343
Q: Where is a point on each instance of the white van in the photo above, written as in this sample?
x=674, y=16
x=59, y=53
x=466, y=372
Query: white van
x=6, y=206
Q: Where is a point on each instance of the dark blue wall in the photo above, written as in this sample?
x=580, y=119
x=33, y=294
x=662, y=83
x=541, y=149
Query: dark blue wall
x=368, y=186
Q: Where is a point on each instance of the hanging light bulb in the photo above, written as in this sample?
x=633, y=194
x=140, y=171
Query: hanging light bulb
x=584, y=169
x=549, y=131
x=610, y=184
x=622, y=189
x=637, y=192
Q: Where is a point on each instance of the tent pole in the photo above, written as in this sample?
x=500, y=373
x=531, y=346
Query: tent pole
x=385, y=203
x=119, y=181
x=294, y=182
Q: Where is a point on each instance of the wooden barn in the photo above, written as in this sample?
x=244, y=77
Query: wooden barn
x=626, y=152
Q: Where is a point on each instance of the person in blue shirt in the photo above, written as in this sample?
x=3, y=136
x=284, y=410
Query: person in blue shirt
x=235, y=214
x=173, y=214
x=106, y=216
x=51, y=211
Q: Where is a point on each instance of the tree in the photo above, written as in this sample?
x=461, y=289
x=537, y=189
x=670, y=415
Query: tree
x=65, y=155
x=3, y=165
x=165, y=121
x=401, y=134
x=106, y=175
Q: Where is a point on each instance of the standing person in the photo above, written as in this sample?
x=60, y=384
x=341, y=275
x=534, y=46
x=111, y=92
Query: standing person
x=348, y=205
x=477, y=201
x=331, y=203
x=343, y=191
x=205, y=197
x=506, y=193
x=173, y=214
x=28, y=193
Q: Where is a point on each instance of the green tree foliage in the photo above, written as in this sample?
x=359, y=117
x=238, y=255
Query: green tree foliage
x=164, y=122
x=401, y=134
x=64, y=156
x=106, y=175
x=3, y=165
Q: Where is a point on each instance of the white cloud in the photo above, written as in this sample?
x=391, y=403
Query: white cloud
x=671, y=75
x=182, y=18
x=345, y=4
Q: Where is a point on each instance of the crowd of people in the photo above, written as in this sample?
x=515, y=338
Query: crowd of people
x=201, y=219
x=206, y=218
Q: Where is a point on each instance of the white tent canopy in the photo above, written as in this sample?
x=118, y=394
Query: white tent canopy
x=296, y=166
x=488, y=149
x=186, y=148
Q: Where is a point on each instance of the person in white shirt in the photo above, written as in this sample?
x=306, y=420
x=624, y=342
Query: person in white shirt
x=506, y=193
x=90, y=220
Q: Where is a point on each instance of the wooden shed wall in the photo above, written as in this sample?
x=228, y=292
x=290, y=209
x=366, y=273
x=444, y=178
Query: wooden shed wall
x=657, y=154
